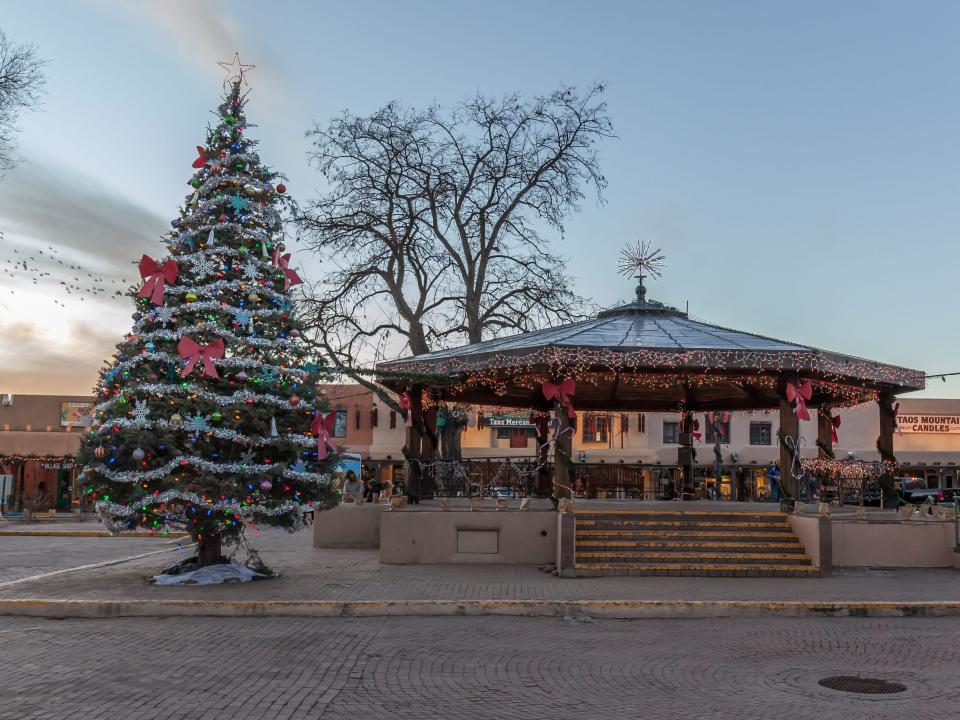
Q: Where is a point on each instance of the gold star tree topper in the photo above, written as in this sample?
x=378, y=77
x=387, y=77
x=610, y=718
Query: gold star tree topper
x=236, y=70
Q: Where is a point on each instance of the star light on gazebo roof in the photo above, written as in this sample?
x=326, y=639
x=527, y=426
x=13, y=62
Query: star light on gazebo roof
x=641, y=258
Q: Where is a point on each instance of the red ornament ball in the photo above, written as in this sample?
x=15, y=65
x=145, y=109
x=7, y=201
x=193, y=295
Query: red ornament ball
x=100, y=451
x=294, y=400
x=281, y=188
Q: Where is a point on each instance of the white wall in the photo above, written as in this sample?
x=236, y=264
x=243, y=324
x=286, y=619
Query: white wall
x=858, y=434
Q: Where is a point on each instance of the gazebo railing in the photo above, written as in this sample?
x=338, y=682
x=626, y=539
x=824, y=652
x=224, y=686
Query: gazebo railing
x=513, y=476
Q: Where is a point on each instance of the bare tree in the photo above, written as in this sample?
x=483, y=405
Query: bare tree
x=434, y=222
x=21, y=84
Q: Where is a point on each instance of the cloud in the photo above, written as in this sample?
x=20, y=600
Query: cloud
x=97, y=228
x=205, y=32
x=32, y=363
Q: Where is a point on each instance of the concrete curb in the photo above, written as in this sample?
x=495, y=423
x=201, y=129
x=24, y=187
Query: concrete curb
x=626, y=609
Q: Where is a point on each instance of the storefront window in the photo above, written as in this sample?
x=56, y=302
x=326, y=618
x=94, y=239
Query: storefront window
x=596, y=428
x=761, y=433
x=671, y=433
x=340, y=424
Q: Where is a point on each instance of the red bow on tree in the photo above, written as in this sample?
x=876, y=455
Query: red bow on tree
x=406, y=404
x=154, y=275
x=562, y=392
x=834, y=425
x=202, y=160
x=800, y=395
x=193, y=352
x=290, y=277
x=322, y=428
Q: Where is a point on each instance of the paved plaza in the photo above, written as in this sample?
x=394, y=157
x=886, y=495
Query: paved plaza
x=26, y=556
x=310, y=574
x=491, y=667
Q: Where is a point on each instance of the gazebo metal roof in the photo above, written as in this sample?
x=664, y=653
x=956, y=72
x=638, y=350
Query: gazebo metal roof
x=650, y=356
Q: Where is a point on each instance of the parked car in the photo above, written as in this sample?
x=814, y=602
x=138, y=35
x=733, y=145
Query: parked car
x=501, y=491
x=915, y=490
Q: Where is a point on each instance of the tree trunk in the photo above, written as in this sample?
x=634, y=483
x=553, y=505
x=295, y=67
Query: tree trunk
x=209, y=550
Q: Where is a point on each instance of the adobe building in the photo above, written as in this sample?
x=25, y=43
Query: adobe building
x=39, y=440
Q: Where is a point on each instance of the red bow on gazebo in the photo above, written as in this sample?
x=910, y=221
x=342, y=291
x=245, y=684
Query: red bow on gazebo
x=154, y=276
x=290, y=277
x=202, y=160
x=800, y=396
x=562, y=392
x=406, y=404
x=322, y=428
x=693, y=427
x=717, y=422
x=193, y=352
x=834, y=426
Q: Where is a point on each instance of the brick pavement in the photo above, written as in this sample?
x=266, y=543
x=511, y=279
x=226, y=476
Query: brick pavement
x=25, y=556
x=493, y=667
x=357, y=575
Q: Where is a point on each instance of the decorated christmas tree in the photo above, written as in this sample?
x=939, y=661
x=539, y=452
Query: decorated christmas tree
x=209, y=415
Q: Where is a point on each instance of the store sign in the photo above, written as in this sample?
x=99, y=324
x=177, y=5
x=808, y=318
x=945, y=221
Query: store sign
x=933, y=424
x=76, y=414
x=57, y=466
x=509, y=421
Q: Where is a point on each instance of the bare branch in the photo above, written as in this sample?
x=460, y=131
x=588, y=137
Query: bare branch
x=21, y=85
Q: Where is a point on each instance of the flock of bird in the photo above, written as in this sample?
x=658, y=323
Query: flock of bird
x=39, y=267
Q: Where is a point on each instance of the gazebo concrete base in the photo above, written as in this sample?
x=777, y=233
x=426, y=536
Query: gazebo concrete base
x=461, y=535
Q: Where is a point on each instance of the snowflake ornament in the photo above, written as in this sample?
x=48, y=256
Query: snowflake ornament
x=251, y=272
x=164, y=314
x=197, y=424
x=247, y=458
x=204, y=266
x=269, y=375
x=141, y=413
x=238, y=202
x=241, y=316
x=299, y=466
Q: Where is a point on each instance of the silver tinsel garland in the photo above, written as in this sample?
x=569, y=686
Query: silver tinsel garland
x=135, y=476
x=231, y=362
x=233, y=506
x=218, y=330
x=238, y=398
x=219, y=433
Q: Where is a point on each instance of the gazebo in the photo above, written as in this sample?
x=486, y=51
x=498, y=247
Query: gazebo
x=650, y=357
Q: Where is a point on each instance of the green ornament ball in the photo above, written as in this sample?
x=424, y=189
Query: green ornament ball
x=242, y=250
x=229, y=119
x=196, y=182
x=216, y=416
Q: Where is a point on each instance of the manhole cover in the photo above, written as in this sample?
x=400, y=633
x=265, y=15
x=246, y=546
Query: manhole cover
x=868, y=686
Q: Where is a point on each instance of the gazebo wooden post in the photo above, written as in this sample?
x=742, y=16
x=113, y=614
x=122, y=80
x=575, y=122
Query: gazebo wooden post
x=415, y=441
x=885, y=402
x=824, y=433
x=562, y=453
x=543, y=448
x=790, y=426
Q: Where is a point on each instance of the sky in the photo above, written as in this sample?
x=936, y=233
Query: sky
x=799, y=163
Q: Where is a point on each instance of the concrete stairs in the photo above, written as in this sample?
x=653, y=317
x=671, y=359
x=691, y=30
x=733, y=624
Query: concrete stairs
x=688, y=543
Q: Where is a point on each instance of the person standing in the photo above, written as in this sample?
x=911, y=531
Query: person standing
x=352, y=487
